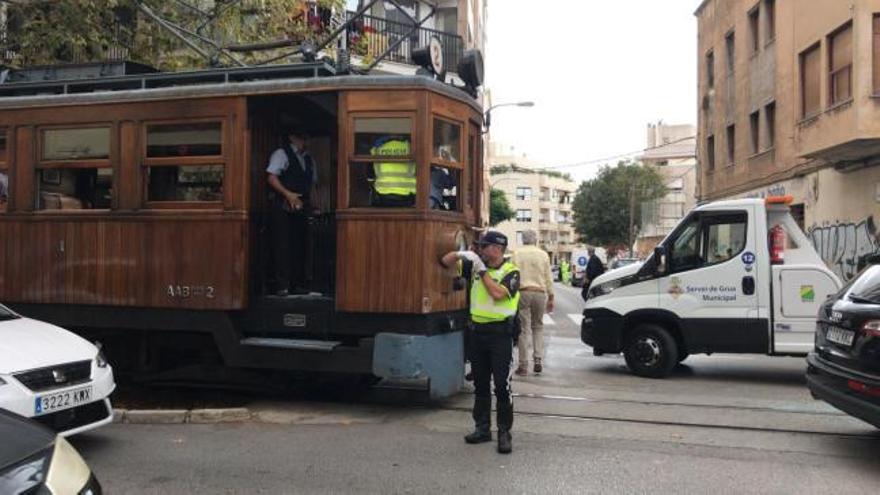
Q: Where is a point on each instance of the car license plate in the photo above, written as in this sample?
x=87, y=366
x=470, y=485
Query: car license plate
x=45, y=404
x=840, y=336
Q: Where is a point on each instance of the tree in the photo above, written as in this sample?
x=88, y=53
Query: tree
x=607, y=209
x=499, y=207
x=53, y=31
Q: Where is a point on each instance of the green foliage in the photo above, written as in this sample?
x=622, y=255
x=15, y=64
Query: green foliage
x=499, y=207
x=602, y=205
x=53, y=31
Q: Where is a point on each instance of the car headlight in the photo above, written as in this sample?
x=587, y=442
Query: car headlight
x=603, y=289
x=68, y=472
x=100, y=358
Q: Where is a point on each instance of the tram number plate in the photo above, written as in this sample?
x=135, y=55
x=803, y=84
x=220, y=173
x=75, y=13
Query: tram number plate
x=62, y=400
x=840, y=336
x=294, y=320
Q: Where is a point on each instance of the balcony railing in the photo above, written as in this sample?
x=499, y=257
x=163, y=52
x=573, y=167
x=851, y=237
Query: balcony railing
x=371, y=36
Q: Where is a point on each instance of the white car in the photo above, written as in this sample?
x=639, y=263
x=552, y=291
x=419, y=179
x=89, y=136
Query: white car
x=52, y=375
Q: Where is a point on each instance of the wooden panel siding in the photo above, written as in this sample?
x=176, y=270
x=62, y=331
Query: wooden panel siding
x=130, y=255
x=125, y=261
x=392, y=265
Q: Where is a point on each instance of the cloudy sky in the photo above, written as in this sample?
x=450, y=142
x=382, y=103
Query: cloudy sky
x=598, y=72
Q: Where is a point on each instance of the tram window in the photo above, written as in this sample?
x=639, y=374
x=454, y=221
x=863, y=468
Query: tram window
x=386, y=136
x=4, y=174
x=2, y=148
x=447, y=141
x=474, y=164
x=445, y=187
x=382, y=184
x=74, y=188
x=4, y=189
x=91, y=143
x=189, y=139
x=185, y=183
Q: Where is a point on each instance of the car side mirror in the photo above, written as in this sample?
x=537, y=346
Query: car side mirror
x=660, y=260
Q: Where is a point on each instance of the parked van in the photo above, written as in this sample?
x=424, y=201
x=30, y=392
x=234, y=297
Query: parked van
x=734, y=276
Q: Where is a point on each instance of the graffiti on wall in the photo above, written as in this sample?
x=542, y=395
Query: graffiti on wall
x=846, y=247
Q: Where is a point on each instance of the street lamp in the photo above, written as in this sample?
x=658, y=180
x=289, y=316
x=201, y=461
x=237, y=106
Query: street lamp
x=488, y=116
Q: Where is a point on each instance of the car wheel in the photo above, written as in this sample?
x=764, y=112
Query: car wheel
x=650, y=351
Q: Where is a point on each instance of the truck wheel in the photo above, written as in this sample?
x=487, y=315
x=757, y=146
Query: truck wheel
x=650, y=351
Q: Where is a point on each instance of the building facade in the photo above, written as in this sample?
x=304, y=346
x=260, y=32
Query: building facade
x=458, y=24
x=789, y=103
x=542, y=202
x=671, y=149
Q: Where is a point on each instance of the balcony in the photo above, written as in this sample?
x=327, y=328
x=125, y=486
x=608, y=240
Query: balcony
x=371, y=36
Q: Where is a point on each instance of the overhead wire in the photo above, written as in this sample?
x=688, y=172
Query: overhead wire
x=615, y=157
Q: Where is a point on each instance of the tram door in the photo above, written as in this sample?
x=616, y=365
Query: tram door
x=314, y=116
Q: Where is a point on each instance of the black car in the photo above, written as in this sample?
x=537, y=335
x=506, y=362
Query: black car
x=33, y=459
x=844, y=367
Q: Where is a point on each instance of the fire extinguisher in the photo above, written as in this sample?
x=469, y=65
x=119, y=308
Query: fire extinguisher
x=777, y=245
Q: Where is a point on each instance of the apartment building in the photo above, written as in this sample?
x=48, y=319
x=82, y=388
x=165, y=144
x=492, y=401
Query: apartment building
x=459, y=24
x=542, y=201
x=789, y=103
x=671, y=149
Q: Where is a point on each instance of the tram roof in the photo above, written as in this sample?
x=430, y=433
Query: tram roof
x=210, y=83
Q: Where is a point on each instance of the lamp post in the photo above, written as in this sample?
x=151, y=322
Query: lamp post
x=487, y=118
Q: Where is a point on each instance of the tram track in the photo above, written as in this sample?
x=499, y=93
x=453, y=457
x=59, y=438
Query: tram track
x=673, y=423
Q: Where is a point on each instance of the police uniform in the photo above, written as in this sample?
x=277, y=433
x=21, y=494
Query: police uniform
x=491, y=346
x=395, y=181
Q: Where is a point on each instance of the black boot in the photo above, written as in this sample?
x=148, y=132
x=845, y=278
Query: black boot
x=505, y=442
x=482, y=415
x=505, y=423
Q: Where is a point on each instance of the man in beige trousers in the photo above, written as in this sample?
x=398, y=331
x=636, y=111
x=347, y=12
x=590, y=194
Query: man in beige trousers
x=536, y=295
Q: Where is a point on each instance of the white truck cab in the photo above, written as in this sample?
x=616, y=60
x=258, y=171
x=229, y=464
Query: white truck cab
x=734, y=276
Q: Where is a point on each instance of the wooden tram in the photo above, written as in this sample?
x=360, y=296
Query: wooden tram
x=137, y=215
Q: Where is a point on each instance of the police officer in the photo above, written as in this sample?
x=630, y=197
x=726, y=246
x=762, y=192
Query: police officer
x=494, y=299
x=292, y=179
x=395, y=182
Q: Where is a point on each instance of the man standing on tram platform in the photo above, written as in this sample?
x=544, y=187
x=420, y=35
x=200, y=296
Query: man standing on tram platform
x=494, y=298
x=292, y=178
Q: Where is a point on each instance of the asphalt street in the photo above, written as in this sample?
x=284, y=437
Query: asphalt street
x=722, y=423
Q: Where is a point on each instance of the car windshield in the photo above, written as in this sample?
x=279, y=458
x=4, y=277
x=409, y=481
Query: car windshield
x=6, y=313
x=866, y=287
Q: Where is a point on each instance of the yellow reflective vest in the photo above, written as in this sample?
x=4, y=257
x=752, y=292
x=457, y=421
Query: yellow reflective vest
x=484, y=309
x=394, y=177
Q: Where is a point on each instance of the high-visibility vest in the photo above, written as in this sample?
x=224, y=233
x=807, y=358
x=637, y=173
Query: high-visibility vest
x=484, y=309
x=394, y=177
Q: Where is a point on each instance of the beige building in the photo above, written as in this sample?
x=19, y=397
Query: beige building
x=672, y=150
x=788, y=104
x=542, y=201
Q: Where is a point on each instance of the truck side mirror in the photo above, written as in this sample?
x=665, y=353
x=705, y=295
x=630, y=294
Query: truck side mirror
x=660, y=260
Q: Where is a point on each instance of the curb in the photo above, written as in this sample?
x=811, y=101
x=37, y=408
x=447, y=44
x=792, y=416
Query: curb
x=181, y=416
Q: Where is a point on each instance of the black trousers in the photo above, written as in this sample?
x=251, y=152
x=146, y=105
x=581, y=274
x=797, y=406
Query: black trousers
x=491, y=354
x=289, y=237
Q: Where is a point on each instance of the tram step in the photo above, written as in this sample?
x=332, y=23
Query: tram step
x=300, y=344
